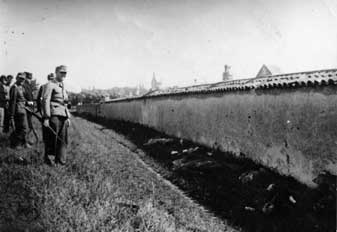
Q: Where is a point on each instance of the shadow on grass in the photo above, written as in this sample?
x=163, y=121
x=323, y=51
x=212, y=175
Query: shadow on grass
x=236, y=189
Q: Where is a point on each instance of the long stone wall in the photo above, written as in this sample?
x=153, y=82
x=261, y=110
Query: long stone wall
x=292, y=130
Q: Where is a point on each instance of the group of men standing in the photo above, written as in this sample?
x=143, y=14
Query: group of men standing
x=5, y=83
x=50, y=106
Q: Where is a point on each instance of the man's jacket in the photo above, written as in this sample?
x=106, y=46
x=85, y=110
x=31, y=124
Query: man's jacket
x=28, y=91
x=54, y=100
x=39, y=97
x=17, y=100
x=4, y=95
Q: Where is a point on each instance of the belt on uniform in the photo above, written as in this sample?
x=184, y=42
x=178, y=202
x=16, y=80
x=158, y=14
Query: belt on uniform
x=61, y=103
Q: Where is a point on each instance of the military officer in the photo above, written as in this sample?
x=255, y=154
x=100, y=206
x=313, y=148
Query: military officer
x=56, y=117
x=46, y=134
x=17, y=112
x=9, y=80
x=29, y=98
x=28, y=88
x=42, y=88
x=7, y=86
x=4, y=101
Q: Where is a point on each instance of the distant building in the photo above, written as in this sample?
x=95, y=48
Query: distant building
x=155, y=85
x=138, y=90
x=226, y=76
x=264, y=72
x=106, y=98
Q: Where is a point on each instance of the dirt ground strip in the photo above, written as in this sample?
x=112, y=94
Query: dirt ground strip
x=103, y=187
x=246, y=195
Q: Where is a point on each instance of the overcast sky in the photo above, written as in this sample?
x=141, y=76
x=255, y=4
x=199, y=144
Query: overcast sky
x=121, y=43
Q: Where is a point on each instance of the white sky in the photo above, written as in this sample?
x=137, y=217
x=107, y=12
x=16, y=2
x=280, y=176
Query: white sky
x=121, y=43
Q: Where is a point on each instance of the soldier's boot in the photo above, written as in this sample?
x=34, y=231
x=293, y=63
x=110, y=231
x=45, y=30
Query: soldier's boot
x=6, y=128
x=48, y=161
x=61, y=155
x=27, y=145
x=47, y=152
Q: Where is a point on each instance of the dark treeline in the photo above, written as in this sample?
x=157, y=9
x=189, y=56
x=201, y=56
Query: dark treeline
x=100, y=95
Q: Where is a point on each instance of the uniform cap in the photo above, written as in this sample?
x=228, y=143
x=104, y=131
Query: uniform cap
x=28, y=75
x=61, y=68
x=20, y=75
x=50, y=76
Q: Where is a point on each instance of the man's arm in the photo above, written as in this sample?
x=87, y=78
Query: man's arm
x=28, y=91
x=46, y=96
x=12, y=101
x=39, y=99
x=66, y=99
x=2, y=94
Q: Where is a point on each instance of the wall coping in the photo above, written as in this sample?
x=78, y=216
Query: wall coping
x=288, y=80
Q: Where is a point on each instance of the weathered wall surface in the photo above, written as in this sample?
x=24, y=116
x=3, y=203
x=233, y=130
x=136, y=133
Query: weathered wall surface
x=291, y=130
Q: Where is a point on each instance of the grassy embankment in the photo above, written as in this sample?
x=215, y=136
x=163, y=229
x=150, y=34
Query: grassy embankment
x=104, y=187
x=244, y=193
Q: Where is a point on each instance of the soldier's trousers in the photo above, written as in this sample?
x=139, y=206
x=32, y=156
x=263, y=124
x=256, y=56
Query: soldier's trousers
x=56, y=144
x=18, y=137
x=30, y=121
x=6, y=121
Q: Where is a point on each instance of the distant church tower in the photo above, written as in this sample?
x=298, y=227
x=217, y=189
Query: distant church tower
x=226, y=75
x=154, y=83
x=138, y=90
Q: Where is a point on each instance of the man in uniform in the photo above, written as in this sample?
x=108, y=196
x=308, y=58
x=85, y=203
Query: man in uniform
x=4, y=98
x=56, y=117
x=29, y=98
x=46, y=134
x=42, y=88
x=9, y=80
x=28, y=88
x=17, y=112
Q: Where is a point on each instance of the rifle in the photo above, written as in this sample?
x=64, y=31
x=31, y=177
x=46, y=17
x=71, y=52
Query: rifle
x=36, y=115
x=30, y=124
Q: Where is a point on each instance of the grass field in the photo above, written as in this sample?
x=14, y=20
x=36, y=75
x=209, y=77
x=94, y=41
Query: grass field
x=245, y=194
x=103, y=187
